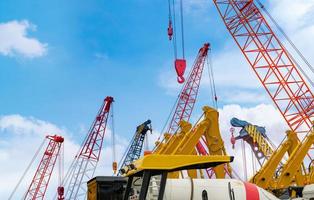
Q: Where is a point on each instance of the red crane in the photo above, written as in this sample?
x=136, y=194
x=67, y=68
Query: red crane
x=273, y=65
x=188, y=95
x=85, y=162
x=187, y=99
x=39, y=184
x=179, y=63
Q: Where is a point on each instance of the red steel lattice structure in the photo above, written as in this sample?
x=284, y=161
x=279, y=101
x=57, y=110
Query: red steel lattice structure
x=86, y=161
x=39, y=184
x=270, y=61
x=187, y=97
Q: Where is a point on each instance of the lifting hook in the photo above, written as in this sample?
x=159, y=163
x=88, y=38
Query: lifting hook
x=180, y=66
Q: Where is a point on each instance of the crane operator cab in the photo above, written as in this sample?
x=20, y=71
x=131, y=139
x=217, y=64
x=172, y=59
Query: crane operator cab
x=147, y=177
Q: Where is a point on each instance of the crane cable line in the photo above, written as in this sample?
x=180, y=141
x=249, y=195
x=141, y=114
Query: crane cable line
x=26, y=170
x=172, y=19
x=182, y=28
x=113, y=141
x=292, y=44
x=209, y=62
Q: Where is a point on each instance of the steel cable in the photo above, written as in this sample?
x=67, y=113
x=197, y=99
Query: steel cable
x=27, y=169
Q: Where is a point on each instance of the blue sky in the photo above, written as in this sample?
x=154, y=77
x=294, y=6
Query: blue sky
x=94, y=49
x=65, y=57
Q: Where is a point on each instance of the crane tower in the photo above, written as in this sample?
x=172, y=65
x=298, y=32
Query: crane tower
x=85, y=162
x=271, y=62
x=39, y=184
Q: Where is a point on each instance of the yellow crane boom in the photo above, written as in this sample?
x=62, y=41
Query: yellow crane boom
x=291, y=169
x=185, y=141
x=265, y=176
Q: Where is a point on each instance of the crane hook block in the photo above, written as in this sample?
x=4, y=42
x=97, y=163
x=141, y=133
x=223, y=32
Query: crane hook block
x=180, y=66
x=60, y=193
x=170, y=30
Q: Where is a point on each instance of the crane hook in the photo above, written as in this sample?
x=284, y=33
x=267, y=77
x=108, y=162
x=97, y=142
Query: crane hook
x=180, y=66
x=180, y=79
x=170, y=30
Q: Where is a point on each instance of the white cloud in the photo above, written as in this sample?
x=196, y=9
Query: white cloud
x=298, y=25
x=19, y=125
x=301, y=17
x=196, y=6
x=21, y=137
x=244, y=96
x=14, y=40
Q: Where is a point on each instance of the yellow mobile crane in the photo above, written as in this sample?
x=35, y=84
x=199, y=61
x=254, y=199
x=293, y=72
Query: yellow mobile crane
x=265, y=175
x=150, y=177
x=292, y=168
x=292, y=172
x=185, y=141
x=174, y=154
x=276, y=174
x=177, y=153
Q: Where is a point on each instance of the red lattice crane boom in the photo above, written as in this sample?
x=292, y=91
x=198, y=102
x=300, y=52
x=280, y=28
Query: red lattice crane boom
x=188, y=95
x=270, y=61
x=187, y=98
x=85, y=162
x=39, y=184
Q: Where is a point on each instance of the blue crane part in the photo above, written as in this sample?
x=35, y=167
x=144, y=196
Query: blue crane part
x=256, y=137
x=135, y=149
x=235, y=122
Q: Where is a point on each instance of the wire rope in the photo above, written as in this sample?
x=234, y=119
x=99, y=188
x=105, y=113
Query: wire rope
x=27, y=169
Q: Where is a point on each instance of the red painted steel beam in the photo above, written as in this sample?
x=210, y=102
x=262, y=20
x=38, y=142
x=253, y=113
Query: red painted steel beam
x=188, y=95
x=86, y=161
x=270, y=61
x=40, y=181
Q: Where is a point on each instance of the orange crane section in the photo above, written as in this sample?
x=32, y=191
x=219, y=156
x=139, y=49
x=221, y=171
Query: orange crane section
x=270, y=61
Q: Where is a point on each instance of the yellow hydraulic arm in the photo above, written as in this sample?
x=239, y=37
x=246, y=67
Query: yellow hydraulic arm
x=291, y=169
x=184, y=142
x=172, y=141
x=265, y=176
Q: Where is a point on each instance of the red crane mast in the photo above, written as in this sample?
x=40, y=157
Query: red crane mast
x=270, y=61
x=187, y=98
x=39, y=184
x=188, y=95
x=84, y=164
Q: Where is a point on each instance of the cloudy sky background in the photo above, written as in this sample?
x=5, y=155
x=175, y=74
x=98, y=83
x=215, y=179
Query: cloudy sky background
x=60, y=59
